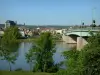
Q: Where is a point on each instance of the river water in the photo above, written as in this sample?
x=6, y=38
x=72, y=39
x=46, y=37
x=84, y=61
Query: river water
x=25, y=46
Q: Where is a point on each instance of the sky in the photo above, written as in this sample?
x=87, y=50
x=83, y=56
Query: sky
x=50, y=12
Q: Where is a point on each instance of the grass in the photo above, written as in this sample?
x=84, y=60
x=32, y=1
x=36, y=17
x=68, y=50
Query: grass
x=27, y=40
x=23, y=73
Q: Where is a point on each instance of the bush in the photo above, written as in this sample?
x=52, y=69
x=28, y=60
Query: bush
x=19, y=69
x=85, y=62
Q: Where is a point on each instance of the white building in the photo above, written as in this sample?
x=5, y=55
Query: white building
x=59, y=31
x=22, y=33
x=9, y=23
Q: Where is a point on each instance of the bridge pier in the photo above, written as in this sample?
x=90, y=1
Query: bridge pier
x=78, y=35
x=70, y=39
x=81, y=42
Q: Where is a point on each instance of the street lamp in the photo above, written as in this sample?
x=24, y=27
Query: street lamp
x=81, y=28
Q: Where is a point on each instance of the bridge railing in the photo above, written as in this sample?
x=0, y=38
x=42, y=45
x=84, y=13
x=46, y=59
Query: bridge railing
x=84, y=29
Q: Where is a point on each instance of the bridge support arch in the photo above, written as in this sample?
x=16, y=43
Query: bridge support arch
x=71, y=39
x=74, y=39
x=81, y=42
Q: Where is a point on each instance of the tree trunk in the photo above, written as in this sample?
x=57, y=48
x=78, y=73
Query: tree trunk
x=9, y=66
x=44, y=68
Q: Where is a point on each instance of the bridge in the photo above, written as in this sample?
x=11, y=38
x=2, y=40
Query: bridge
x=79, y=35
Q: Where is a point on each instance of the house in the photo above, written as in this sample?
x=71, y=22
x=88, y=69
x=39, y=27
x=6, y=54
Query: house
x=1, y=32
x=59, y=31
x=22, y=33
x=9, y=23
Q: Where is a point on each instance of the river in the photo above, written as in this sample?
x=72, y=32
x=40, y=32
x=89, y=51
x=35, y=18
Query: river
x=25, y=46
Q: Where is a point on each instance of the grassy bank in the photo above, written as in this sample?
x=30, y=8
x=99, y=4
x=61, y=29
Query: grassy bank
x=27, y=40
x=23, y=73
x=34, y=39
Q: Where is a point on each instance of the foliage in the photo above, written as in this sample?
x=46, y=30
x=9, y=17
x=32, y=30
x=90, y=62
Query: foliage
x=92, y=56
x=9, y=46
x=11, y=34
x=9, y=53
x=19, y=69
x=71, y=63
x=57, y=36
x=41, y=54
x=86, y=61
x=30, y=58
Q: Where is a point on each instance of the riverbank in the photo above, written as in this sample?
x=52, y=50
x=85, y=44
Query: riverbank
x=34, y=39
x=28, y=39
x=23, y=73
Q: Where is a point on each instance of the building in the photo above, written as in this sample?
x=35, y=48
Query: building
x=22, y=33
x=59, y=31
x=9, y=23
x=1, y=32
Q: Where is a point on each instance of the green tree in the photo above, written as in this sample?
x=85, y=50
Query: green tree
x=9, y=53
x=73, y=67
x=91, y=56
x=30, y=58
x=86, y=61
x=11, y=34
x=9, y=46
x=42, y=53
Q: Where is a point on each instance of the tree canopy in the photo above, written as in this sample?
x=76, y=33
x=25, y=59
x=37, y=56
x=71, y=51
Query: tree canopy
x=11, y=34
x=42, y=53
x=86, y=61
x=9, y=46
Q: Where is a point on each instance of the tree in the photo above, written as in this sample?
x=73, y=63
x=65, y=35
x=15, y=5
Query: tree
x=42, y=53
x=9, y=46
x=73, y=66
x=86, y=61
x=9, y=53
x=30, y=58
x=11, y=34
x=92, y=55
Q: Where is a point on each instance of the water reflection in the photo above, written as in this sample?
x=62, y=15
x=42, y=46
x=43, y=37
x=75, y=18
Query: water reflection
x=21, y=61
x=61, y=47
x=25, y=46
x=72, y=46
x=9, y=53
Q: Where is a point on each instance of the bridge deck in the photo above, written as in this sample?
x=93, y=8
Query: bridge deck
x=82, y=31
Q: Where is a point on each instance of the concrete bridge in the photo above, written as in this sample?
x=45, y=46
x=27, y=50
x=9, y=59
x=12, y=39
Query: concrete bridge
x=78, y=35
